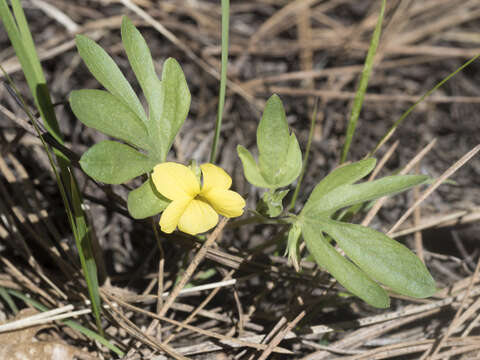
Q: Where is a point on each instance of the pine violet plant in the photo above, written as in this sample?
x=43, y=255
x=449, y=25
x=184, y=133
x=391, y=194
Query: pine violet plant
x=191, y=197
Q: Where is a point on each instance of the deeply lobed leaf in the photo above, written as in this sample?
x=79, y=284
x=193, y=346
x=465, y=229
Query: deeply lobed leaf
x=272, y=139
x=250, y=168
x=347, y=274
x=141, y=61
x=146, y=201
x=347, y=195
x=104, y=69
x=377, y=256
x=102, y=111
x=280, y=157
x=344, y=175
x=174, y=104
x=382, y=258
x=114, y=163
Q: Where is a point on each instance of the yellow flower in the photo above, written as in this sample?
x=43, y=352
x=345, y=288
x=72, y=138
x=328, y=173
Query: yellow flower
x=195, y=207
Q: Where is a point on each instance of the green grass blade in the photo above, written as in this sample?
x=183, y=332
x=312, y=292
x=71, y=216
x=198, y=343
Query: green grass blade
x=411, y=108
x=223, y=76
x=84, y=246
x=21, y=38
x=73, y=324
x=8, y=299
x=75, y=216
x=362, y=87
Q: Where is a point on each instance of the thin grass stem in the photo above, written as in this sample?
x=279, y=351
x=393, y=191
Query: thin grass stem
x=307, y=153
x=362, y=86
x=390, y=132
x=223, y=77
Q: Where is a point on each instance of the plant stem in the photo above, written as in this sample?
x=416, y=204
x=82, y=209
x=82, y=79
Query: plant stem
x=423, y=97
x=307, y=153
x=223, y=77
x=362, y=86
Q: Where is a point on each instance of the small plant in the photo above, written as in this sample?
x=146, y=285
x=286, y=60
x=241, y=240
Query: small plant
x=192, y=197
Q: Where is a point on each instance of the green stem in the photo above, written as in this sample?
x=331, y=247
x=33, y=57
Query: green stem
x=411, y=108
x=362, y=87
x=257, y=219
x=223, y=76
x=307, y=153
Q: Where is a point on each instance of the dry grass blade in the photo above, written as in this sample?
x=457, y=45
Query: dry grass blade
x=449, y=172
x=192, y=267
x=223, y=338
x=455, y=322
x=379, y=203
x=455, y=218
x=133, y=330
x=281, y=335
x=43, y=318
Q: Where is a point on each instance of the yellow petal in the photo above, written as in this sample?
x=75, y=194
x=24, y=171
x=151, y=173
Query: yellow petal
x=175, y=181
x=226, y=202
x=172, y=214
x=197, y=218
x=215, y=177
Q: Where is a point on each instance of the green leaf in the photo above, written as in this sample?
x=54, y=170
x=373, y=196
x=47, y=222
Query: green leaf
x=347, y=195
x=344, y=175
x=382, y=258
x=142, y=64
x=280, y=158
x=250, y=168
x=174, y=105
x=146, y=201
x=346, y=273
x=104, y=69
x=293, y=245
x=114, y=163
x=271, y=204
x=293, y=163
x=102, y=111
x=140, y=59
x=272, y=139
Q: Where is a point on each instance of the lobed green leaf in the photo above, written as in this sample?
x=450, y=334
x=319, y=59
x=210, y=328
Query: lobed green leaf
x=250, y=168
x=104, y=69
x=344, y=175
x=293, y=245
x=146, y=201
x=114, y=163
x=346, y=273
x=347, y=195
x=141, y=61
x=271, y=204
x=292, y=165
x=280, y=157
x=382, y=258
x=102, y=111
x=272, y=139
x=174, y=104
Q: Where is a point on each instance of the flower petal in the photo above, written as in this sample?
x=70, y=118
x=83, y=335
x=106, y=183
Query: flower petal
x=175, y=181
x=172, y=214
x=226, y=202
x=215, y=177
x=197, y=218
